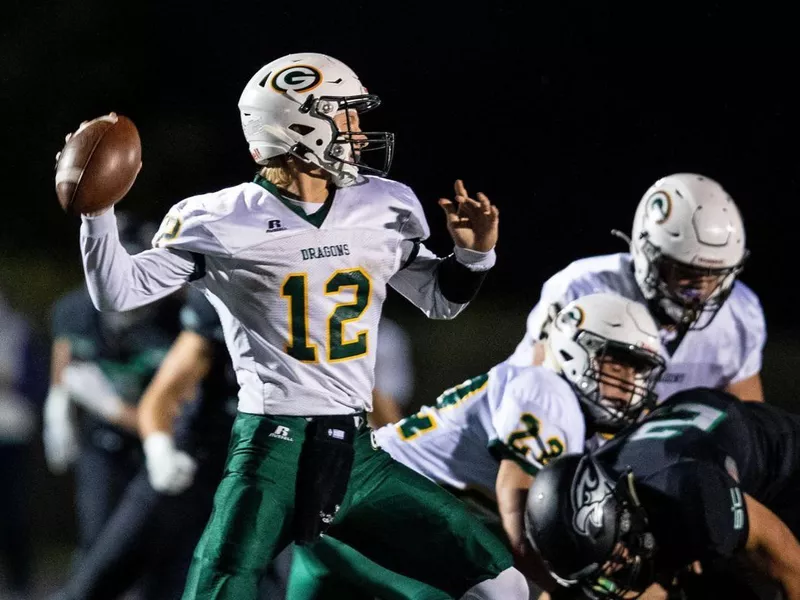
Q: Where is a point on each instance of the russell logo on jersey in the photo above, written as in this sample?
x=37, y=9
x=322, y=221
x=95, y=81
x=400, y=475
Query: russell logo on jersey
x=275, y=225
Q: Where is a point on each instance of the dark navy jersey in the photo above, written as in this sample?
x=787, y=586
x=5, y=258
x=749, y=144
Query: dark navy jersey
x=206, y=422
x=693, y=460
x=128, y=347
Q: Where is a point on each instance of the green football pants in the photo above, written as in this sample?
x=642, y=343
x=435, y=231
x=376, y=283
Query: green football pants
x=331, y=570
x=390, y=514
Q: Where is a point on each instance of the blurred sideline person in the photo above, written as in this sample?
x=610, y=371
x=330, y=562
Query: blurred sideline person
x=185, y=417
x=705, y=479
x=22, y=387
x=297, y=264
x=101, y=364
x=486, y=439
x=687, y=248
x=394, y=375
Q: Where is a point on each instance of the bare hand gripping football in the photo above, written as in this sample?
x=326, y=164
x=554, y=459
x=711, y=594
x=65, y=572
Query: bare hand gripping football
x=98, y=164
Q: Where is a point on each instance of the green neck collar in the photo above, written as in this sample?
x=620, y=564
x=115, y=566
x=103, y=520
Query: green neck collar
x=316, y=219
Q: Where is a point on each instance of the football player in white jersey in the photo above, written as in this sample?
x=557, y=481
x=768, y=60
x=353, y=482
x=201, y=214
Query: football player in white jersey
x=394, y=386
x=687, y=248
x=297, y=263
x=489, y=436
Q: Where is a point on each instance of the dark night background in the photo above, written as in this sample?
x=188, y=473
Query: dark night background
x=562, y=118
x=562, y=115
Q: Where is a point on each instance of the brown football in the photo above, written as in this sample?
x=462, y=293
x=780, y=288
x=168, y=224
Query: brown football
x=98, y=164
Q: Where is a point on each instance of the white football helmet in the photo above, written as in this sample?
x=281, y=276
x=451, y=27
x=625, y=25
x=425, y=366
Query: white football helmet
x=688, y=247
x=288, y=106
x=599, y=328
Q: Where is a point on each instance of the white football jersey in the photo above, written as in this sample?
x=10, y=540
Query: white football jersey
x=728, y=350
x=528, y=414
x=299, y=296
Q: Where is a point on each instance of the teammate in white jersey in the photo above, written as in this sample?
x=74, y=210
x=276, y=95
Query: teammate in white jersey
x=687, y=248
x=296, y=264
x=490, y=435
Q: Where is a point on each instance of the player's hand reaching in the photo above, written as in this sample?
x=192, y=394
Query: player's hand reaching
x=98, y=164
x=60, y=432
x=472, y=223
x=89, y=387
x=169, y=470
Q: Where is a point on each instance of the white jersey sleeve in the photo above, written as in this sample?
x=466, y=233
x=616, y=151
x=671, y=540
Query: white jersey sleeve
x=189, y=225
x=557, y=292
x=536, y=419
x=753, y=332
x=416, y=280
x=118, y=281
x=394, y=371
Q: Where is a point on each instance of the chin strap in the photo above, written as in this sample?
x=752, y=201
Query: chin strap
x=632, y=488
x=623, y=236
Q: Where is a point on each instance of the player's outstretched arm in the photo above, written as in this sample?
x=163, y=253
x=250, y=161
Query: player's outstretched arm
x=512, y=487
x=183, y=368
x=473, y=224
x=95, y=169
x=772, y=546
x=442, y=288
x=186, y=364
x=118, y=281
x=90, y=388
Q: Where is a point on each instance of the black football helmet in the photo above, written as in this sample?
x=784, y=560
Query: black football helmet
x=590, y=530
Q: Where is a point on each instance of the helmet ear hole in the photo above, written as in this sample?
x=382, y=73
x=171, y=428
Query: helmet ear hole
x=301, y=129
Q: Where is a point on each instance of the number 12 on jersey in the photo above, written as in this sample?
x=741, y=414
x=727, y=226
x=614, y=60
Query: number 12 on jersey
x=295, y=290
